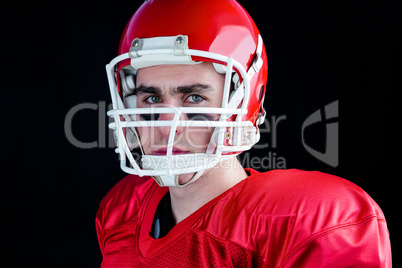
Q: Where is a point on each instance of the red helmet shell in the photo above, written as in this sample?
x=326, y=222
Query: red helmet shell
x=223, y=27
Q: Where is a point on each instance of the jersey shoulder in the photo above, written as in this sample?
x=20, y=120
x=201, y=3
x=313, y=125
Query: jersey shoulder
x=124, y=202
x=307, y=190
x=276, y=212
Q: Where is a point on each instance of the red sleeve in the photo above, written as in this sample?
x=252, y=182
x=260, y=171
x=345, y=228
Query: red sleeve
x=334, y=222
x=99, y=231
x=122, y=204
x=360, y=244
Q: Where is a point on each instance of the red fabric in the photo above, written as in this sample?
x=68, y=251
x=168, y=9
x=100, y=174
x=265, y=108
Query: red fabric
x=281, y=218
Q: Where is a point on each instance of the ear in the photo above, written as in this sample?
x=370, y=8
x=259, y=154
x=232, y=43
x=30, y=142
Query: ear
x=127, y=82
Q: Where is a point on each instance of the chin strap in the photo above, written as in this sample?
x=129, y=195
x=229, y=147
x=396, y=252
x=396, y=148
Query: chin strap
x=173, y=180
x=184, y=164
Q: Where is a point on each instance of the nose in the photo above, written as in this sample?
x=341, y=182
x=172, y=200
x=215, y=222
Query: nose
x=165, y=130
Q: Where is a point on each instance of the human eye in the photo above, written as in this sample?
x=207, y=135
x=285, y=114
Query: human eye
x=152, y=99
x=194, y=99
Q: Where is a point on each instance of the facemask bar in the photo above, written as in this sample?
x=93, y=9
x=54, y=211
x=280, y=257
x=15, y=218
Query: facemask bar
x=230, y=104
x=219, y=125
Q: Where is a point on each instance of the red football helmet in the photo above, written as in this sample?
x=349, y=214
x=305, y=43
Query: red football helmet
x=188, y=32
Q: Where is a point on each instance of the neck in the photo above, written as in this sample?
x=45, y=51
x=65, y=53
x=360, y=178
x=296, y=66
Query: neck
x=212, y=183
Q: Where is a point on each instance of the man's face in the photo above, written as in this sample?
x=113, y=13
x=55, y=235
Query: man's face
x=178, y=86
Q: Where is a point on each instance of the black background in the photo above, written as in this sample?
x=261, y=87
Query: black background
x=53, y=57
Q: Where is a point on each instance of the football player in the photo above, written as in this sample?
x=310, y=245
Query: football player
x=187, y=88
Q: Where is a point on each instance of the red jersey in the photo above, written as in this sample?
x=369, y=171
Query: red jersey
x=280, y=218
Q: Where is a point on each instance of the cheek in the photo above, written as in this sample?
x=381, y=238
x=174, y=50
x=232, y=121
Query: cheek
x=146, y=136
x=195, y=139
x=198, y=137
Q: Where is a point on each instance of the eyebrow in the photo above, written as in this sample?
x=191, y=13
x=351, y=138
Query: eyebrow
x=194, y=88
x=147, y=89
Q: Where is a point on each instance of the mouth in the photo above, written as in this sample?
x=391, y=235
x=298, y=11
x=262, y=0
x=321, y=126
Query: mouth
x=175, y=150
